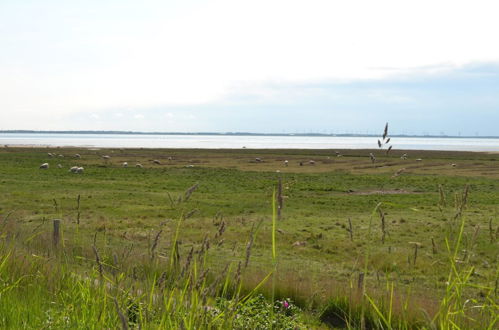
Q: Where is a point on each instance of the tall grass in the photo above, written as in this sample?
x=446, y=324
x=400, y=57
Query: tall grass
x=458, y=308
x=71, y=285
x=85, y=284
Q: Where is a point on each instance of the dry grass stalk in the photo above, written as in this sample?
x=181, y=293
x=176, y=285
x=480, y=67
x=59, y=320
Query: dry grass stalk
x=187, y=262
x=190, y=213
x=248, y=250
x=492, y=233
x=237, y=276
x=433, y=246
x=211, y=290
x=250, y=243
x=218, y=217
x=115, y=267
x=279, y=198
x=442, y=201
x=383, y=225
x=416, y=247
x=172, y=202
x=400, y=171
x=221, y=229
x=456, y=201
x=34, y=229
x=78, y=209
x=464, y=200
x=350, y=229
x=126, y=253
x=161, y=280
x=461, y=202
x=385, y=140
x=475, y=235
x=205, y=246
x=176, y=255
x=201, y=278
x=6, y=218
x=155, y=243
x=123, y=320
x=98, y=261
x=189, y=192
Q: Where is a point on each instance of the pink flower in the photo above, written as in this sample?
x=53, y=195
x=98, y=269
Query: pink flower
x=285, y=304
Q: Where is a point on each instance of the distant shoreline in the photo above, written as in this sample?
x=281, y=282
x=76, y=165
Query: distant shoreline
x=250, y=150
x=242, y=134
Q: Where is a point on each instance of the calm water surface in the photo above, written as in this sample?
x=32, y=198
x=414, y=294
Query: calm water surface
x=239, y=141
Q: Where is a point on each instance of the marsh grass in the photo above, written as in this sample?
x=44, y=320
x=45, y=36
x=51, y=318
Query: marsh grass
x=69, y=289
x=182, y=275
x=121, y=289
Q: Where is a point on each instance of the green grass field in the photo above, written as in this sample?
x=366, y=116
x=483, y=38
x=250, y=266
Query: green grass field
x=425, y=238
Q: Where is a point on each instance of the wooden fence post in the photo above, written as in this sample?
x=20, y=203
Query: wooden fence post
x=56, y=232
x=360, y=283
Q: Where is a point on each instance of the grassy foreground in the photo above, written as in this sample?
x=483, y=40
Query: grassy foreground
x=193, y=240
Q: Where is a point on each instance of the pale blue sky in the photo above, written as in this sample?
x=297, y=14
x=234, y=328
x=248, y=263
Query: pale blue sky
x=261, y=66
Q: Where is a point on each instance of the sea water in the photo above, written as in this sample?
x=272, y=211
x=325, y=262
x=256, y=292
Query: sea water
x=244, y=141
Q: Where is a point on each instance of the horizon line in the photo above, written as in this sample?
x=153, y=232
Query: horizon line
x=242, y=133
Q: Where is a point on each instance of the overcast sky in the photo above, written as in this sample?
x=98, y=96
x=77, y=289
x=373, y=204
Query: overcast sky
x=427, y=67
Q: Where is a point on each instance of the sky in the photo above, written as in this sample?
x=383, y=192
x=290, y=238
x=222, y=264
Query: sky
x=426, y=67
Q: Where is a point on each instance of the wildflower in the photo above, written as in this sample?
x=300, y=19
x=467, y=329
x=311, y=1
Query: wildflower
x=285, y=304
